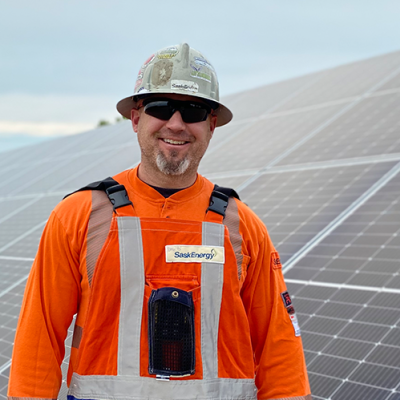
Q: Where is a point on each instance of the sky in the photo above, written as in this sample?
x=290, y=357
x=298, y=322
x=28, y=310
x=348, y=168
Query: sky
x=64, y=64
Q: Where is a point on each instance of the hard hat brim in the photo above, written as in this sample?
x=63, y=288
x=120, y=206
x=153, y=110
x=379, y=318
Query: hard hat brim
x=125, y=106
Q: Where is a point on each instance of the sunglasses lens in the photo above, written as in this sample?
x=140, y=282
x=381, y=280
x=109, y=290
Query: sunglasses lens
x=164, y=109
x=159, y=109
x=194, y=112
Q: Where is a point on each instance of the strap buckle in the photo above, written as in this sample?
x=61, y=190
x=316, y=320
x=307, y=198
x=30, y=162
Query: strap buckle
x=218, y=202
x=118, y=196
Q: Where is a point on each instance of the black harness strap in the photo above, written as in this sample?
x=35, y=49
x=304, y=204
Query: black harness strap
x=219, y=199
x=119, y=197
x=115, y=192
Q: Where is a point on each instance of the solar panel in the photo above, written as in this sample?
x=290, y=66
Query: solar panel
x=318, y=159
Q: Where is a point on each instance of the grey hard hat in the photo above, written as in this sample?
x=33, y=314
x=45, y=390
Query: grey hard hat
x=177, y=69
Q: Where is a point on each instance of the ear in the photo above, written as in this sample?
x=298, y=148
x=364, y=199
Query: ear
x=213, y=123
x=135, y=116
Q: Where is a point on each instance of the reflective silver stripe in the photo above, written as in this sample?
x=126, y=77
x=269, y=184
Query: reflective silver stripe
x=132, y=292
x=126, y=388
x=99, y=226
x=212, y=277
x=232, y=222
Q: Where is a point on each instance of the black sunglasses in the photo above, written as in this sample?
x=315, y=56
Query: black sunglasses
x=164, y=109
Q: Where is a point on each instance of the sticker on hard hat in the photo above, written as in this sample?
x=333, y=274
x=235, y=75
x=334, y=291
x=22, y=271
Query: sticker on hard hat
x=188, y=86
x=197, y=254
x=148, y=61
x=203, y=62
x=168, y=52
x=201, y=75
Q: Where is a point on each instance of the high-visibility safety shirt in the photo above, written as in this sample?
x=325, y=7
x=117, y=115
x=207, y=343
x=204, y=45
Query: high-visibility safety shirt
x=105, y=266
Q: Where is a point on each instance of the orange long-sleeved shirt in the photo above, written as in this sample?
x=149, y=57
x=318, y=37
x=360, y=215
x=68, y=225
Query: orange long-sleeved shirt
x=58, y=288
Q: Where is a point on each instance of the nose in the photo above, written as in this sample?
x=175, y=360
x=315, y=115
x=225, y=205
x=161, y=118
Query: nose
x=175, y=123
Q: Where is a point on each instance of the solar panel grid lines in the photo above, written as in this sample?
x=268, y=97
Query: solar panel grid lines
x=343, y=286
x=276, y=135
x=30, y=155
x=319, y=165
x=253, y=122
x=77, y=145
x=349, y=80
x=46, y=176
x=10, y=210
x=24, y=235
x=10, y=303
x=343, y=216
x=252, y=103
x=355, y=354
x=371, y=128
x=315, y=132
x=298, y=205
x=75, y=170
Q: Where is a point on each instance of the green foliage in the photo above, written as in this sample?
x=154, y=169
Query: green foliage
x=104, y=122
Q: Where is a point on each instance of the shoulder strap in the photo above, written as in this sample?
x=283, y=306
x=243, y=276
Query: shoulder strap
x=116, y=193
x=227, y=191
x=219, y=199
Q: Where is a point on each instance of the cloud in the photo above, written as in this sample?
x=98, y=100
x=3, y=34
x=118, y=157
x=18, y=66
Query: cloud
x=53, y=115
x=42, y=129
x=57, y=108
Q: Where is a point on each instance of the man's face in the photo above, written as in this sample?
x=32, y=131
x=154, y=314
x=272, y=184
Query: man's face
x=172, y=147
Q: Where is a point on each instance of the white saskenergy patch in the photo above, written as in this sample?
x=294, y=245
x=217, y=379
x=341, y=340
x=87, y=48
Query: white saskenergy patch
x=189, y=254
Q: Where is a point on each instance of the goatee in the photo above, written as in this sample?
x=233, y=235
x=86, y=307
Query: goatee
x=172, y=167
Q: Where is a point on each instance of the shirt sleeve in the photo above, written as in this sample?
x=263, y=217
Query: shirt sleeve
x=278, y=351
x=51, y=299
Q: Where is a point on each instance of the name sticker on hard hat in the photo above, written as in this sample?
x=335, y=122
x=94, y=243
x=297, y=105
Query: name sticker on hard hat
x=189, y=254
x=188, y=86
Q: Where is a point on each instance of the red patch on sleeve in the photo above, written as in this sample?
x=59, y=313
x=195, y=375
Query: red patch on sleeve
x=275, y=260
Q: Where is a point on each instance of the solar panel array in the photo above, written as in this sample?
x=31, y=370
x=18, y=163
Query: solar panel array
x=318, y=159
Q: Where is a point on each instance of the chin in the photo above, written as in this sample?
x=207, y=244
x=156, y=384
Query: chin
x=172, y=167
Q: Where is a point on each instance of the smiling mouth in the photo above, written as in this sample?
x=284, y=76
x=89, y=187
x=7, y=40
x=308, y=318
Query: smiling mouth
x=175, y=142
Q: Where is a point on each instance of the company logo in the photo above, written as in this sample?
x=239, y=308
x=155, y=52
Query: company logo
x=275, y=260
x=287, y=301
x=184, y=253
x=207, y=256
x=187, y=86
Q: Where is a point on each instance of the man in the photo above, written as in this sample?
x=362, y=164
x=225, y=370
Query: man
x=177, y=288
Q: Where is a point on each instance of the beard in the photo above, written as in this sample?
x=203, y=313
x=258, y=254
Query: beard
x=172, y=166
